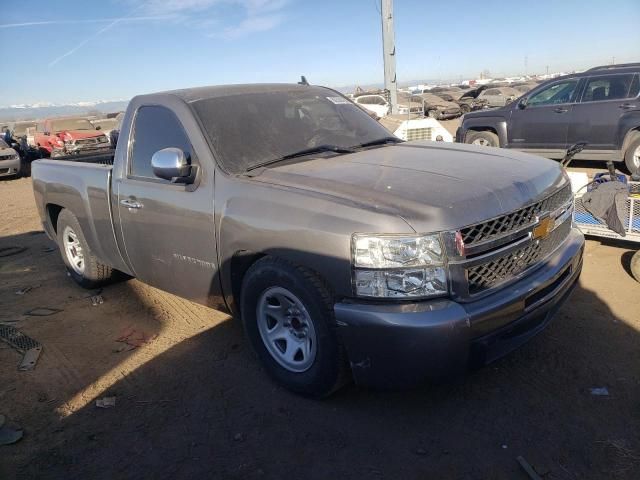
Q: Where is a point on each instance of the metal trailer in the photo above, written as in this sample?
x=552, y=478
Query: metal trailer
x=590, y=226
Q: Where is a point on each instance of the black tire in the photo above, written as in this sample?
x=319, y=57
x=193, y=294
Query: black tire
x=635, y=265
x=435, y=114
x=484, y=138
x=329, y=370
x=95, y=273
x=465, y=108
x=632, y=155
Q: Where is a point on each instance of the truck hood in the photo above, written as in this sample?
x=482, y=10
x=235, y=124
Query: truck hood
x=78, y=134
x=430, y=185
x=491, y=112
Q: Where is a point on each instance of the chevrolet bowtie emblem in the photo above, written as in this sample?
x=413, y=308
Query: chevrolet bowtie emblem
x=544, y=228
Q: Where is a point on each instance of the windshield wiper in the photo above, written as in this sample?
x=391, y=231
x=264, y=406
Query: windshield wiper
x=379, y=141
x=303, y=153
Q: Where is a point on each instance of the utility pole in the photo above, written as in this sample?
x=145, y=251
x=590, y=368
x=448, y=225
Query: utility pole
x=389, y=52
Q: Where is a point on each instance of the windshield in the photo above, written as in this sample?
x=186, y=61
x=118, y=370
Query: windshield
x=71, y=124
x=249, y=129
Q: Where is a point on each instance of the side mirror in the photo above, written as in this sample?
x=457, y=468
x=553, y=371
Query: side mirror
x=522, y=104
x=172, y=164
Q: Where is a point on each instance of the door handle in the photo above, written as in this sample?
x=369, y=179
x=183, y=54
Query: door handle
x=127, y=202
x=560, y=110
x=627, y=106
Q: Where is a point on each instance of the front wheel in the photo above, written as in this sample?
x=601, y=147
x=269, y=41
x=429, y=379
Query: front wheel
x=287, y=313
x=433, y=114
x=483, y=139
x=82, y=265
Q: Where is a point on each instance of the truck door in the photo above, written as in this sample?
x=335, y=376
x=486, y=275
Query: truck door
x=542, y=123
x=605, y=100
x=167, y=228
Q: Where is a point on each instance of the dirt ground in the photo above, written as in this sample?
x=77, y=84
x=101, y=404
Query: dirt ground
x=194, y=403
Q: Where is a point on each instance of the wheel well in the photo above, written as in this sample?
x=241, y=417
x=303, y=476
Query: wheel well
x=631, y=134
x=240, y=263
x=53, y=211
x=479, y=129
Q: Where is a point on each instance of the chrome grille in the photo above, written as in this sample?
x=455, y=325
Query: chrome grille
x=418, y=134
x=504, y=224
x=87, y=141
x=488, y=275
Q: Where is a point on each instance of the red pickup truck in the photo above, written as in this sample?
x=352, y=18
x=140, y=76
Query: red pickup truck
x=58, y=137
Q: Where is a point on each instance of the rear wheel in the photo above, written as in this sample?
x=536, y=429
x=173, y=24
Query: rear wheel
x=287, y=313
x=635, y=265
x=483, y=139
x=433, y=114
x=82, y=265
x=632, y=155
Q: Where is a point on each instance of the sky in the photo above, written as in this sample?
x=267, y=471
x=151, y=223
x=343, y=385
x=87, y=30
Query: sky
x=77, y=50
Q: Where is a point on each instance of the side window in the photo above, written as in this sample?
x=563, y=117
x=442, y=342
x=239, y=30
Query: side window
x=554, y=94
x=380, y=101
x=363, y=100
x=613, y=87
x=155, y=128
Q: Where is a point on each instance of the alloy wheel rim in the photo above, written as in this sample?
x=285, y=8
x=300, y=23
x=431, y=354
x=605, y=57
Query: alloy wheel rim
x=636, y=158
x=482, y=142
x=286, y=329
x=73, y=250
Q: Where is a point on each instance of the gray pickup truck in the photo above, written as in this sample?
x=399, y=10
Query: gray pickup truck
x=346, y=252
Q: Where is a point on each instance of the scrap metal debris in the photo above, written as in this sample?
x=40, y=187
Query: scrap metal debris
x=13, y=250
x=26, y=290
x=97, y=300
x=26, y=345
x=9, y=435
x=135, y=338
x=49, y=249
x=106, y=402
x=42, y=312
x=533, y=475
x=599, y=391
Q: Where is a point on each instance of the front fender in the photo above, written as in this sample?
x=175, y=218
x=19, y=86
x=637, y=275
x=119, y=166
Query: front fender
x=498, y=124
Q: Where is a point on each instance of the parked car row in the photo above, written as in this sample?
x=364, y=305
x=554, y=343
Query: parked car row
x=55, y=138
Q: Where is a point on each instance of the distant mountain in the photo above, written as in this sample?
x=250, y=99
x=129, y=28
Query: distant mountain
x=35, y=111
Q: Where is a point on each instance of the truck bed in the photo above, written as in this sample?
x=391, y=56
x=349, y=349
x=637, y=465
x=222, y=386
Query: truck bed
x=84, y=187
x=105, y=158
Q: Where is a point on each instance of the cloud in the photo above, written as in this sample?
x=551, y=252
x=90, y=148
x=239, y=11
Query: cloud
x=258, y=15
x=251, y=24
x=112, y=24
x=89, y=20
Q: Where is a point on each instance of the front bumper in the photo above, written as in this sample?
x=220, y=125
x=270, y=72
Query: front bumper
x=9, y=167
x=404, y=344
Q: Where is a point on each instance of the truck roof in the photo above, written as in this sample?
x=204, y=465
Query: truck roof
x=199, y=93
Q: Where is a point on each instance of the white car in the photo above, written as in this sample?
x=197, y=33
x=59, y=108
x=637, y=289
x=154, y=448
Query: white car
x=9, y=160
x=378, y=104
x=374, y=103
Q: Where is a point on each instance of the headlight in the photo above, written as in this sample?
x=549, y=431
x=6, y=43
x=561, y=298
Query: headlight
x=389, y=266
